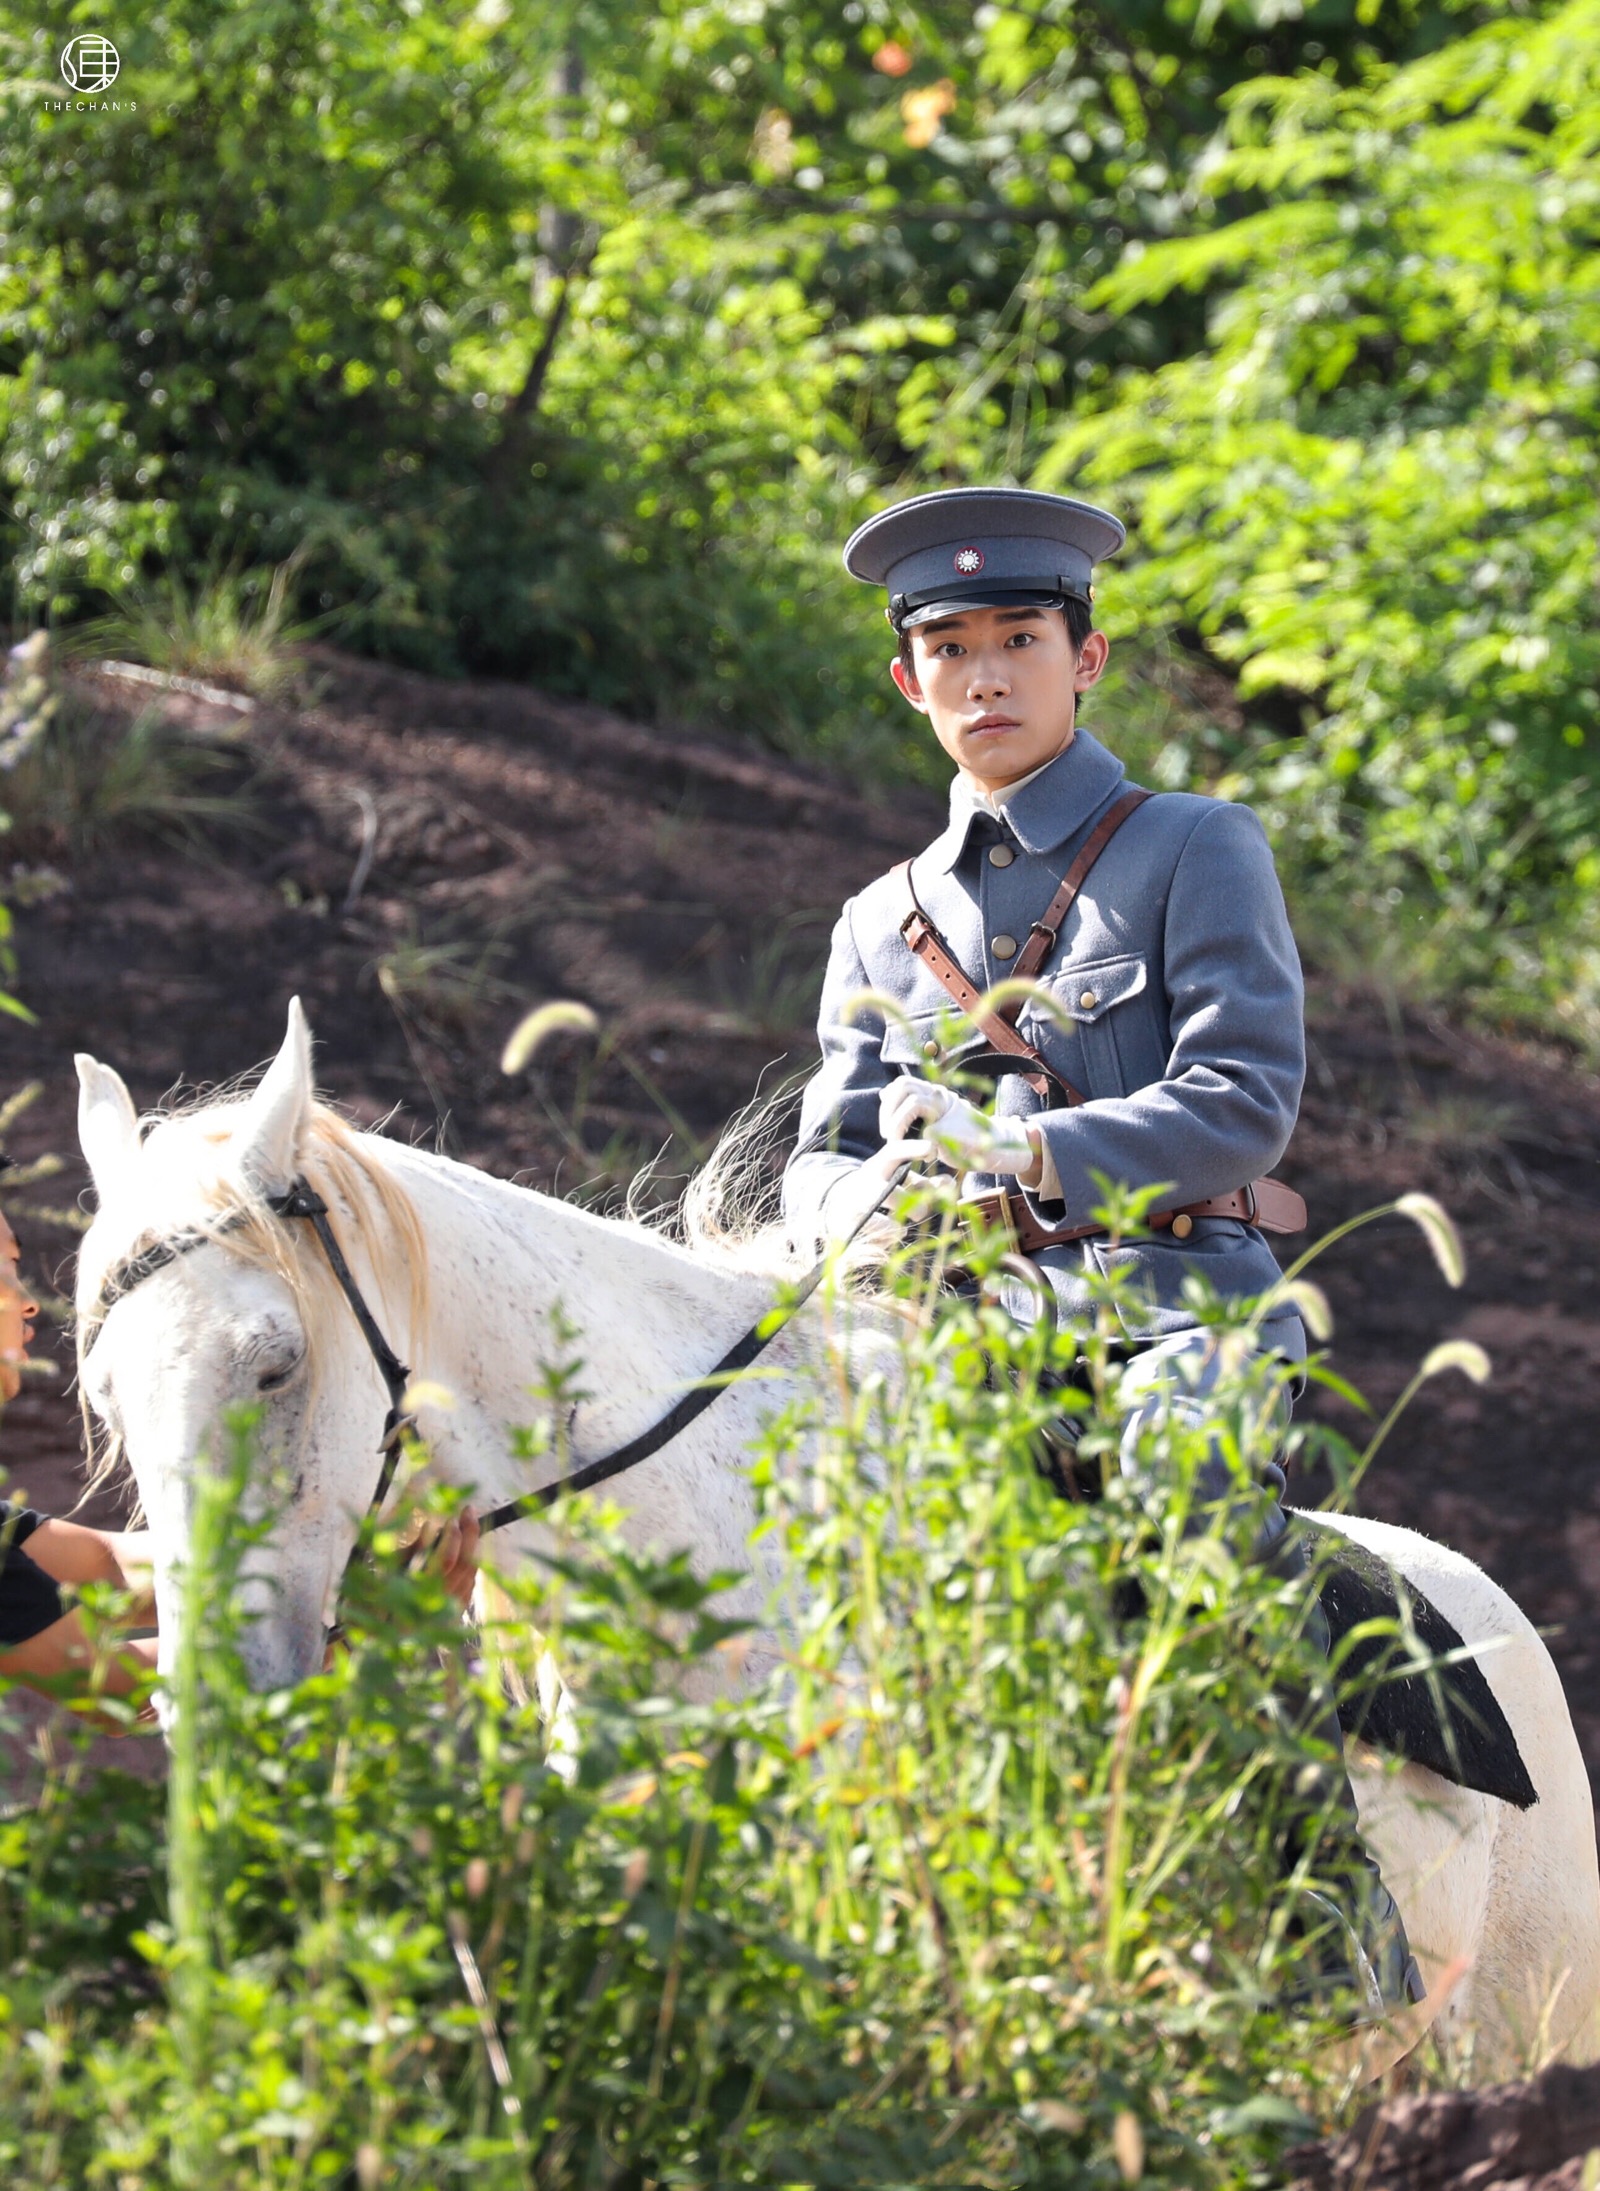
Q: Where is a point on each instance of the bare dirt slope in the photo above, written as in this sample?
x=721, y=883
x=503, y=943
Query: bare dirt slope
x=505, y=847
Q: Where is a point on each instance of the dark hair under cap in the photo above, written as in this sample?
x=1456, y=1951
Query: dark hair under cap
x=1078, y=614
x=981, y=547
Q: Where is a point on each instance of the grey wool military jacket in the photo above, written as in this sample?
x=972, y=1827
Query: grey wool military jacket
x=1175, y=972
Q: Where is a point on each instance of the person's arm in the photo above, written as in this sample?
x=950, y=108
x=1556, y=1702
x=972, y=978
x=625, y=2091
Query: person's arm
x=59, y=1657
x=838, y=1129
x=1223, y=1111
x=72, y=1553
x=45, y=1645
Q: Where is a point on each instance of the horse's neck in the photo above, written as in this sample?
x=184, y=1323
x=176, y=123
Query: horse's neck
x=525, y=1291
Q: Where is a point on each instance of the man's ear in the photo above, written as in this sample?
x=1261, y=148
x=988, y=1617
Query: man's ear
x=906, y=679
x=1092, y=658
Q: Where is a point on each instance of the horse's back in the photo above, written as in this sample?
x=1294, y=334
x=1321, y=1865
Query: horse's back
x=1517, y=1890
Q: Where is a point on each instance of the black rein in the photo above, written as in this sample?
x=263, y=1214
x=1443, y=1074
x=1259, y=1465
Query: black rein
x=303, y=1201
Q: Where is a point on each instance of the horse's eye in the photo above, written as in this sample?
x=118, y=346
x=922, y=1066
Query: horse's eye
x=274, y=1380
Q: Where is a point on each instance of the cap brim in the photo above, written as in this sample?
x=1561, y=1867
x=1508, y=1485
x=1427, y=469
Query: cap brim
x=993, y=597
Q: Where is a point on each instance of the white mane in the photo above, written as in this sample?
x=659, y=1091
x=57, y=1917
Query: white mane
x=183, y=1182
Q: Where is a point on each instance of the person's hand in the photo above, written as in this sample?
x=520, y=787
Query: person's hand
x=457, y=1554
x=965, y=1138
x=452, y=1548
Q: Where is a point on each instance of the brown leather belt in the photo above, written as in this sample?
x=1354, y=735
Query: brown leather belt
x=1266, y=1203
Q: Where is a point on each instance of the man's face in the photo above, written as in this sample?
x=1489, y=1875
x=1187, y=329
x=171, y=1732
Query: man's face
x=1000, y=687
x=17, y=1313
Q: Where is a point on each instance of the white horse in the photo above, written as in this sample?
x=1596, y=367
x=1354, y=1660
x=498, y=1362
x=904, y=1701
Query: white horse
x=488, y=1285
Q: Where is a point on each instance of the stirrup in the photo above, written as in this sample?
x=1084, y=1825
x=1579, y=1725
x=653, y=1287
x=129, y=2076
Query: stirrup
x=1384, y=1977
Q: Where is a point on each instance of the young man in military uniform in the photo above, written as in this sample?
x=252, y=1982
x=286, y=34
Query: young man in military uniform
x=1173, y=1049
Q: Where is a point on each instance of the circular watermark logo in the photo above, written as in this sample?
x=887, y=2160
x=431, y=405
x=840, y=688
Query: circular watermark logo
x=90, y=63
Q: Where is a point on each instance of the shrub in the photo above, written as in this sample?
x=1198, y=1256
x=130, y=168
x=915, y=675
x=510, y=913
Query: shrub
x=92, y=777
x=982, y=1888
x=229, y=624
x=1370, y=492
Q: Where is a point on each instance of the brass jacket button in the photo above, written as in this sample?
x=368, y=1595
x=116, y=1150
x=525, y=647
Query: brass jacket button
x=1004, y=947
x=1001, y=855
x=1088, y=1000
x=1182, y=1225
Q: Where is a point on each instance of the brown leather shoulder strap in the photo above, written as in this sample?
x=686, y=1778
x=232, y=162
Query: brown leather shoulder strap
x=1042, y=936
x=929, y=946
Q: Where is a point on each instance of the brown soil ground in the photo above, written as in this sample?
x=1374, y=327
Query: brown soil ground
x=523, y=848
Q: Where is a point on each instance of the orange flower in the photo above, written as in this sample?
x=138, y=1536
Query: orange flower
x=807, y=1743
x=922, y=112
x=892, y=58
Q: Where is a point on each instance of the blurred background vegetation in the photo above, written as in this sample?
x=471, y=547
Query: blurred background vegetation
x=565, y=344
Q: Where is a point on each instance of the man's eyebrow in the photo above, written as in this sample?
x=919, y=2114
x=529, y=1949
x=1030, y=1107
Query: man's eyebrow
x=1007, y=616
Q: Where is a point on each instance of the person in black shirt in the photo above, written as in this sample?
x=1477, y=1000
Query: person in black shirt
x=43, y=1641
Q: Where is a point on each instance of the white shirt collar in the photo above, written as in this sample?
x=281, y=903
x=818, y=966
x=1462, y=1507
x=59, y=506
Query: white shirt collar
x=990, y=802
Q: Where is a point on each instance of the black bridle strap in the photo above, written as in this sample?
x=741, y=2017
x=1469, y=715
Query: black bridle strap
x=747, y=1348
x=135, y=1269
x=302, y=1201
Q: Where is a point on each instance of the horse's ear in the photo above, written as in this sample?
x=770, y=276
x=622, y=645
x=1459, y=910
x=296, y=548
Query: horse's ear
x=271, y=1133
x=108, y=1124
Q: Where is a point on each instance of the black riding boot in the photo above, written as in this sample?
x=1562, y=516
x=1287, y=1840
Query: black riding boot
x=1356, y=1935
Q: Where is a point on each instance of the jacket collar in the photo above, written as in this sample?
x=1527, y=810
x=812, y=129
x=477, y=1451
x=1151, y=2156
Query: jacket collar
x=1050, y=807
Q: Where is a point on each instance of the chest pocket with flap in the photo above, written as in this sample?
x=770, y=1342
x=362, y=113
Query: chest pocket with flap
x=915, y=1041
x=1117, y=1039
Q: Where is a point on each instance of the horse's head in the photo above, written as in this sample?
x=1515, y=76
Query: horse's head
x=246, y=1315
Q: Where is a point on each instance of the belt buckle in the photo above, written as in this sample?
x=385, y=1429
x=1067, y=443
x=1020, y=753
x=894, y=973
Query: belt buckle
x=1250, y=1199
x=993, y=1209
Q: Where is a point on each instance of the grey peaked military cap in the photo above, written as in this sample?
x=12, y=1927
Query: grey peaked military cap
x=981, y=548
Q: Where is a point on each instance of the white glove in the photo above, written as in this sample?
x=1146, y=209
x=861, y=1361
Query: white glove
x=967, y=1139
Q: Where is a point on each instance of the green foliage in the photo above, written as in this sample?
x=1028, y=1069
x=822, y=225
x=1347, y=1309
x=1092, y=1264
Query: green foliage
x=982, y=1886
x=91, y=777
x=567, y=342
x=230, y=625
x=1371, y=491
